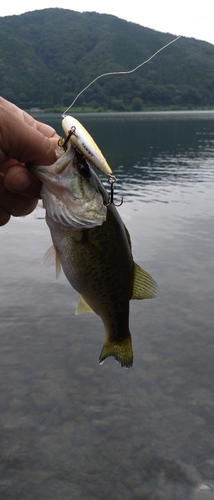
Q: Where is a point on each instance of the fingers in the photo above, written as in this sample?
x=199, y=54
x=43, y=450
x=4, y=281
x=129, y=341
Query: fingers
x=18, y=179
x=21, y=115
x=19, y=193
x=17, y=205
x=14, y=204
x=23, y=138
x=4, y=216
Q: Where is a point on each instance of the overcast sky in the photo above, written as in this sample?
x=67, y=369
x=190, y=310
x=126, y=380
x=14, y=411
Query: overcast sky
x=186, y=17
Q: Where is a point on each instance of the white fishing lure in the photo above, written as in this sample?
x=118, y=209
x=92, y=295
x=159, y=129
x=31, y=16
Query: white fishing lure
x=83, y=141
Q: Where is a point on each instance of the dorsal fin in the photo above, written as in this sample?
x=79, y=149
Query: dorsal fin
x=52, y=256
x=83, y=307
x=144, y=287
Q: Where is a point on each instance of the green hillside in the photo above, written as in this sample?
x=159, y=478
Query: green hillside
x=48, y=56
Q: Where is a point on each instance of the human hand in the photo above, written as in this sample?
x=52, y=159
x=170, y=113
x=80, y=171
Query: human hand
x=22, y=140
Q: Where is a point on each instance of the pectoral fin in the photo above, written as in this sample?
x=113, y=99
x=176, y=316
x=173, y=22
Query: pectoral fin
x=144, y=287
x=52, y=255
x=83, y=307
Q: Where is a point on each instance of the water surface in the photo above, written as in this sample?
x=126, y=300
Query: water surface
x=69, y=428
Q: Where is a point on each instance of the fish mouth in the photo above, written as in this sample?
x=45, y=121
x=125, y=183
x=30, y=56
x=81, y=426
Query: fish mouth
x=71, y=192
x=51, y=172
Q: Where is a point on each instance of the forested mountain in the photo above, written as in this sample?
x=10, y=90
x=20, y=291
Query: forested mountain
x=48, y=56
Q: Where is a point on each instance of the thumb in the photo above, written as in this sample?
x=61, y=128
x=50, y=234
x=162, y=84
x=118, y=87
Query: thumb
x=23, y=142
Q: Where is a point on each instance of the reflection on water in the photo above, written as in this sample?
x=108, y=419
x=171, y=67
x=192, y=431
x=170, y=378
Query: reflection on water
x=70, y=429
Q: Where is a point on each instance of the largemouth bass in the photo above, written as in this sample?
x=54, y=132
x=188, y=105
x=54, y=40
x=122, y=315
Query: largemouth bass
x=93, y=247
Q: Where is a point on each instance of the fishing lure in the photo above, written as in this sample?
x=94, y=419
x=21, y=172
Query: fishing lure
x=82, y=140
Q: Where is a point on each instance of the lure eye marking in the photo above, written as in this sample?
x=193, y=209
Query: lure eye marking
x=83, y=141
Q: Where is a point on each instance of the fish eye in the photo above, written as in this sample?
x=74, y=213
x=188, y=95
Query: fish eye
x=82, y=166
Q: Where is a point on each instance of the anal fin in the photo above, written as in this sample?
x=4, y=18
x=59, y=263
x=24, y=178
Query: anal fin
x=83, y=307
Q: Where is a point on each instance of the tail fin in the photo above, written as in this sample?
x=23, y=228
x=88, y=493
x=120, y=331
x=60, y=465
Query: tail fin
x=121, y=351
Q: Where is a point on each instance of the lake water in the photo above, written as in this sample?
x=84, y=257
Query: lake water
x=69, y=428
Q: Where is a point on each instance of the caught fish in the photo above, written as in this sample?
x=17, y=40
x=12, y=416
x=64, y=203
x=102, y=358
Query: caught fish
x=93, y=247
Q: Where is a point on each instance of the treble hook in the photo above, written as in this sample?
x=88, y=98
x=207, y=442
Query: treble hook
x=63, y=142
x=112, y=179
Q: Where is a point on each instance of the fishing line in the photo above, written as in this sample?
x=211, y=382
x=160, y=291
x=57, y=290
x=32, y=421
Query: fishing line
x=120, y=72
x=111, y=73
